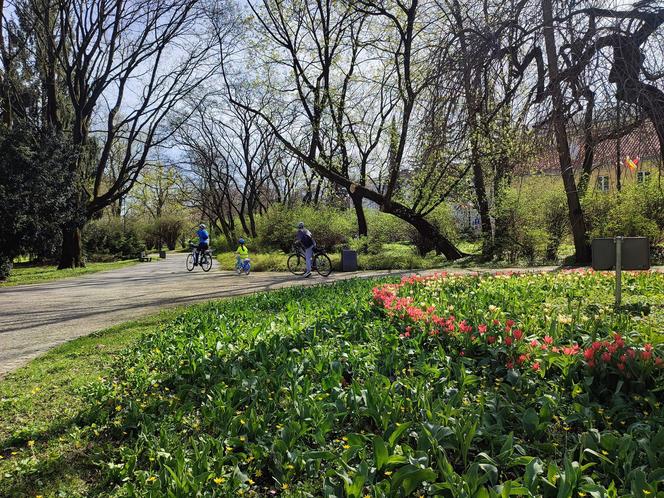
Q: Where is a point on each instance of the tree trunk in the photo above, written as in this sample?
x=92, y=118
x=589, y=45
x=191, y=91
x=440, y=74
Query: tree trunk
x=588, y=143
x=430, y=237
x=72, y=250
x=483, y=208
x=577, y=220
x=362, y=229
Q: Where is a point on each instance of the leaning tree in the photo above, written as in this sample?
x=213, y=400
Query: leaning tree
x=347, y=74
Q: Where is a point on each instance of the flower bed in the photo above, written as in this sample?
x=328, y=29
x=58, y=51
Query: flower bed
x=543, y=323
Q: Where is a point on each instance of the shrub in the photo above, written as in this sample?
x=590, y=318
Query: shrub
x=166, y=230
x=534, y=221
x=36, y=193
x=112, y=238
x=330, y=227
x=636, y=210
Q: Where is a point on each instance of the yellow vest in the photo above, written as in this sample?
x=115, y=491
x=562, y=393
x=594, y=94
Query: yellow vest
x=242, y=251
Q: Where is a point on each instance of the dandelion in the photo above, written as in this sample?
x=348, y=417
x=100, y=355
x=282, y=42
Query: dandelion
x=31, y=444
x=284, y=486
x=151, y=479
x=118, y=408
x=346, y=446
x=259, y=473
x=219, y=480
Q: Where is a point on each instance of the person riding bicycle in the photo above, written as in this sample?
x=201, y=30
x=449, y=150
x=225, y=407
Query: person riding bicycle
x=242, y=254
x=203, y=241
x=308, y=244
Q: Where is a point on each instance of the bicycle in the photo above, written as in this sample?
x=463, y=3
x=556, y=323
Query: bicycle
x=320, y=262
x=204, y=259
x=243, y=266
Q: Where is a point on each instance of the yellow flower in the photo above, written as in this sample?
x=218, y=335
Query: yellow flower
x=647, y=492
x=388, y=473
x=118, y=408
x=346, y=446
x=284, y=485
x=151, y=479
x=259, y=473
x=219, y=480
x=229, y=449
x=242, y=421
x=251, y=482
x=31, y=444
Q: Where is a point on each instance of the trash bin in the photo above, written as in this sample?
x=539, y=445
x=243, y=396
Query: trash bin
x=162, y=254
x=348, y=260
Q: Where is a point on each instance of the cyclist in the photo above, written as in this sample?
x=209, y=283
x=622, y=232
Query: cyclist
x=306, y=240
x=241, y=255
x=203, y=242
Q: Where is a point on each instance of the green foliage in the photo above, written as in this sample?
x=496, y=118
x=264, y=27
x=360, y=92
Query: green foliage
x=533, y=220
x=391, y=257
x=112, y=238
x=165, y=230
x=636, y=210
x=318, y=392
x=35, y=193
x=330, y=227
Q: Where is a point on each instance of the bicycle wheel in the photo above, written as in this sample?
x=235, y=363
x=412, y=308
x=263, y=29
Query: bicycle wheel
x=190, y=262
x=206, y=263
x=323, y=264
x=297, y=264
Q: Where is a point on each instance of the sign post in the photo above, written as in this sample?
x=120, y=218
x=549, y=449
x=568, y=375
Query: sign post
x=620, y=253
x=618, y=241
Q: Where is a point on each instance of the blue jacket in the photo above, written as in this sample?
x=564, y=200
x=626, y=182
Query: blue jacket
x=203, y=236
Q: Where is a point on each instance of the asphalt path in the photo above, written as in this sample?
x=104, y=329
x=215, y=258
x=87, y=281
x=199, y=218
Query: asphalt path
x=38, y=317
x=35, y=318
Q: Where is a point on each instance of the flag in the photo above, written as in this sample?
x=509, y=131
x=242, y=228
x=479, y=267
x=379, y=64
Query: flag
x=631, y=163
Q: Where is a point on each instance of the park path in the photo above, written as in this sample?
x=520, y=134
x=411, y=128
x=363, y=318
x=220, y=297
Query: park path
x=35, y=318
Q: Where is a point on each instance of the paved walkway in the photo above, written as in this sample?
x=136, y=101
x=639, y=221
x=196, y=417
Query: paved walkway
x=35, y=318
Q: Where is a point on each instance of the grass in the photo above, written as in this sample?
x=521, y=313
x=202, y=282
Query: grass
x=29, y=274
x=353, y=390
x=393, y=256
x=41, y=436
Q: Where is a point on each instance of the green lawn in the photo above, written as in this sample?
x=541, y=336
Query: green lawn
x=28, y=274
x=444, y=386
x=45, y=447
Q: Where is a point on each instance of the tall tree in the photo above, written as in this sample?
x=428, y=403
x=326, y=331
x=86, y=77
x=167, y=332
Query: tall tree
x=577, y=220
x=344, y=108
x=126, y=65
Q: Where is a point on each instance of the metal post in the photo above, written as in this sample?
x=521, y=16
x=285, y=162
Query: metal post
x=618, y=241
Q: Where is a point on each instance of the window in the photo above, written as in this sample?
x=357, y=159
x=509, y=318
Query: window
x=603, y=183
x=642, y=176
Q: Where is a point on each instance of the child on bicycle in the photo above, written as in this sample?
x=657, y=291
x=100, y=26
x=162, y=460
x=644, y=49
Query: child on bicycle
x=241, y=255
